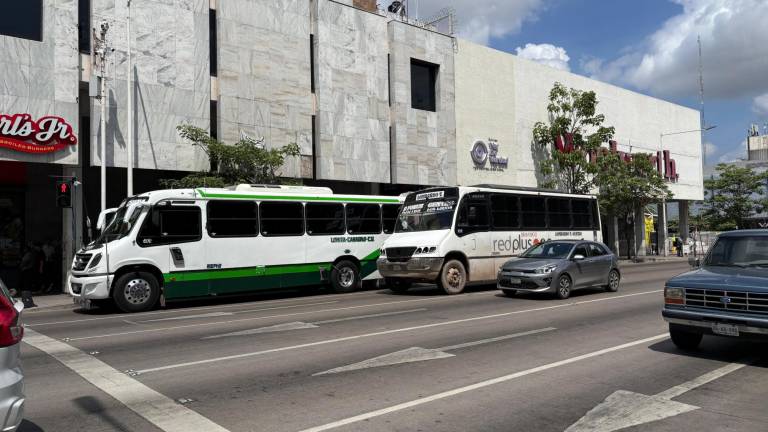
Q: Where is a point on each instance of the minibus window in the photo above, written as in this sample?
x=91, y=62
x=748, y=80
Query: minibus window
x=582, y=219
x=168, y=225
x=505, y=212
x=559, y=212
x=389, y=217
x=282, y=218
x=473, y=216
x=233, y=219
x=325, y=219
x=534, y=214
x=363, y=219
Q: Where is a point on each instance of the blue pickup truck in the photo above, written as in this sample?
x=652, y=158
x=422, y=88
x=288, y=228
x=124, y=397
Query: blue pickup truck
x=726, y=294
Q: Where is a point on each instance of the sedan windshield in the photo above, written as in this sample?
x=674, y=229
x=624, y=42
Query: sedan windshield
x=740, y=252
x=554, y=250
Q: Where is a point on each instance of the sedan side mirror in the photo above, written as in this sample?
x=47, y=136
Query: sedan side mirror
x=694, y=262
x=578, y=257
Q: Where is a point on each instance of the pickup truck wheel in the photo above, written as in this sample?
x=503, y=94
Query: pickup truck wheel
x=686, y=341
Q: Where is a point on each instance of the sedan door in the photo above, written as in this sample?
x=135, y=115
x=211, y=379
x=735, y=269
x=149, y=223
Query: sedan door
x=603, y=262
x=585, y=271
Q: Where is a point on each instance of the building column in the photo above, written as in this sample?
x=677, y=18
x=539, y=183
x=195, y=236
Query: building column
x=640, y=232
x=684, y=224
x=612, y=234
x=661, y=231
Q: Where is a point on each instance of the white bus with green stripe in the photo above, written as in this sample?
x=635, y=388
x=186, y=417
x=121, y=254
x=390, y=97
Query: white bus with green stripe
x=185, y=243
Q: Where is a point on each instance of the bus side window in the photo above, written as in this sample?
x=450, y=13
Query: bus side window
x=169, y=225
x=533, y=211
x=325, y=218
x=581, y=214
x=389, y=217
x=505, y=212
x=363, y=219
x=473, y=215
x=559, y=212
x=282, y=218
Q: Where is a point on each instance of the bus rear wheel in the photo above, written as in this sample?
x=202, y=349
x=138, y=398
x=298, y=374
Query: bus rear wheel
x=136, y=291
x=453, y=277
x=345, y=277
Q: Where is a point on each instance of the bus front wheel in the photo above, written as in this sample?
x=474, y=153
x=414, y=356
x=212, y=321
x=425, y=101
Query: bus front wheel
x=453, y=277
x=345, y=277
x=136, y=291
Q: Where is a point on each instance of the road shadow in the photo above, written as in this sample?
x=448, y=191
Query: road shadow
x=28, y=426
x=720, y=349
x=432, y=290
x=543, y=296
x=93, y=406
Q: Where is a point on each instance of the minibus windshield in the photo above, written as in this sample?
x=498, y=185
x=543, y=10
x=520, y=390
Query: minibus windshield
x=430, y=215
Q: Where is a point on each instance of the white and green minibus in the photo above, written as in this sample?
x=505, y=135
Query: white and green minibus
x=184, y=243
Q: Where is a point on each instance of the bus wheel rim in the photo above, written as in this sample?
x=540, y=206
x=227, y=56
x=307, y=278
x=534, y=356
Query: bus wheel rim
x=137, y=291
x=454, y=277
x=346, y=277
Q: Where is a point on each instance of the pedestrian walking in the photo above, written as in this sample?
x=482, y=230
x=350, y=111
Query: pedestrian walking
x=679, y=246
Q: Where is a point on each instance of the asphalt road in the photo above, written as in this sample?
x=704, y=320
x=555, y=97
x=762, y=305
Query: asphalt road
x=378, y=361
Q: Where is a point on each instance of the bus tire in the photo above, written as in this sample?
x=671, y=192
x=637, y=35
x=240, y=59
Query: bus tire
x=397, y=285
x=136, y=291
x=453, y=277
x=345, y=277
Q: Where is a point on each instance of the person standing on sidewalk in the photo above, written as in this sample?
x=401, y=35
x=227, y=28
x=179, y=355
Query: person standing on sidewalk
x=679, y=246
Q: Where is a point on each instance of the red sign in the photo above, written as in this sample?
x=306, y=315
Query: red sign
x=47, y=134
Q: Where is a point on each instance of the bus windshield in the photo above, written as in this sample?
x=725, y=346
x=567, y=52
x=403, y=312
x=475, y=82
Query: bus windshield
x=122, y=223
x=428, y=215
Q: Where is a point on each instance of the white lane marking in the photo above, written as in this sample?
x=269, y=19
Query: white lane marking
x=298, y=325
x=417, y=354
x=184, y=317
x=153, y=406
x=380, y=333
x=408, y=355
x=369, y=316
x=482, y=384
x=258, y=318
x=623, y=409
x=495, y=339
x=169, y=312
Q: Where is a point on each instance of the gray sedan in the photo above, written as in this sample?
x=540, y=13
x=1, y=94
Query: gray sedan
x=559, y=267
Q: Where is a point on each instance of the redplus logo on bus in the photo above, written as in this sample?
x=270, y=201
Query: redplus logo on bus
x=662, y=160
x=20, y=132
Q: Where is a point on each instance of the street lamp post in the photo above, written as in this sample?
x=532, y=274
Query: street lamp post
x=130, y=105
x=663, y=210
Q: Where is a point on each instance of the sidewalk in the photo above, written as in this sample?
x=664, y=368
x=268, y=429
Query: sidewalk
x=62, y=301
x=655, y=259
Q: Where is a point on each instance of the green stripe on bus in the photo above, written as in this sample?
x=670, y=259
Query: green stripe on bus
x=297, y=198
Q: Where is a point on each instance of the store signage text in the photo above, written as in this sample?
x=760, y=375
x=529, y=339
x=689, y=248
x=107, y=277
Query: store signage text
x=662, y=160
x=482, y=153
x=19, y=132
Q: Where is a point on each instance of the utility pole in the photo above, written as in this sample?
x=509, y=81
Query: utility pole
x=130, y=105
x=701, y=106
x=101, y=50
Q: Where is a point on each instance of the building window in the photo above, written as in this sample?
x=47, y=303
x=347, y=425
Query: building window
x=213, y=46
x=325, y=219
x=423, y=85
x=312, y=63
x=214, y=119
x=84, y=26
x=22, y=19
x=233, y=219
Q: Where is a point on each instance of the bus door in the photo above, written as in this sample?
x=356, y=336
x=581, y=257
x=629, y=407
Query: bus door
x=181, y=232
x=472, y=230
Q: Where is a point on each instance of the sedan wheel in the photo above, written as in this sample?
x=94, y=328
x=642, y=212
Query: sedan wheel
x=563, y=287
x=613, y=281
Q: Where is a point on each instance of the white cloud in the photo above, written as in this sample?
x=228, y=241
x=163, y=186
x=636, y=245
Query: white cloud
x=734, y=44
x=709, y=149
x=734, y=155
x=760, y=104
x=547, y=54
x=481, y=20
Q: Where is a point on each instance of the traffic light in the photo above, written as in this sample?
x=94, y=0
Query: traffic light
x=63, y=194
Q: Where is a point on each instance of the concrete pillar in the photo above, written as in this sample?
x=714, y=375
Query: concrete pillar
x=662, y=230
x=640, y=244
x=612, y=234
x=684, y=224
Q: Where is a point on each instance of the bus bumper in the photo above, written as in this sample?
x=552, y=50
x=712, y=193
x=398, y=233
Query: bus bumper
x=424, y=268
x=94, y=287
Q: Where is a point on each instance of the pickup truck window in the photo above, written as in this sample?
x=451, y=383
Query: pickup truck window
x=741, y=252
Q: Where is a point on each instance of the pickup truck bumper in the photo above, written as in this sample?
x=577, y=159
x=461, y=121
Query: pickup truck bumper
x=701, y=322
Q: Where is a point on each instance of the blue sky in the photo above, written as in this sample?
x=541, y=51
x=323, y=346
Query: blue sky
x=647, y=46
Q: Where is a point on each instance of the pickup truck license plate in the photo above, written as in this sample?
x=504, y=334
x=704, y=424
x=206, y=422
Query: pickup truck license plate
x=725, y=329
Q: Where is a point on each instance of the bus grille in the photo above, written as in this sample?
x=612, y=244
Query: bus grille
x=81, y=261
x=400, y=254
x=736, y=301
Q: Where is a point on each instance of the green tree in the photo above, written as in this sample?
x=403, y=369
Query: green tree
x=627, y=186
x=733, y=196
x=573, y=119
x=246, y=161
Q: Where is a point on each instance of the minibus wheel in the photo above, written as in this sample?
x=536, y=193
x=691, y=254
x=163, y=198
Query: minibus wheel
x=136, y=291
x=453, y=277
x=345, y=277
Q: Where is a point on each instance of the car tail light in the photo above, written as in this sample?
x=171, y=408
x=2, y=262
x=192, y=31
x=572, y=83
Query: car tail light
x=11, y=330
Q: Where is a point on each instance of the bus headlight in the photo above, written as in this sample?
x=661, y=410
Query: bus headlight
x=94, y=262
x=425, y=250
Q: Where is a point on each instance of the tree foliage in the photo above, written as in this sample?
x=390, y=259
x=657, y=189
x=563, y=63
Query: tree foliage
x=733, y=196
x=572, y=114
x=626, y=186
x=246, y=161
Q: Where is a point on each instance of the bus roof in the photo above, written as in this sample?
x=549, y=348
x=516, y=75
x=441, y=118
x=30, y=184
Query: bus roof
x=519, y=189
x=293, y=194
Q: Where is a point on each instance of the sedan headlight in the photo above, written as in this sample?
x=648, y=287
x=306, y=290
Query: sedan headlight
x=547, y=269
x=674, y=295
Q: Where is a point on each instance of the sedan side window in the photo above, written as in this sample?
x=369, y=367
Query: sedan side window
x=580, y=250
x=596, y=250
